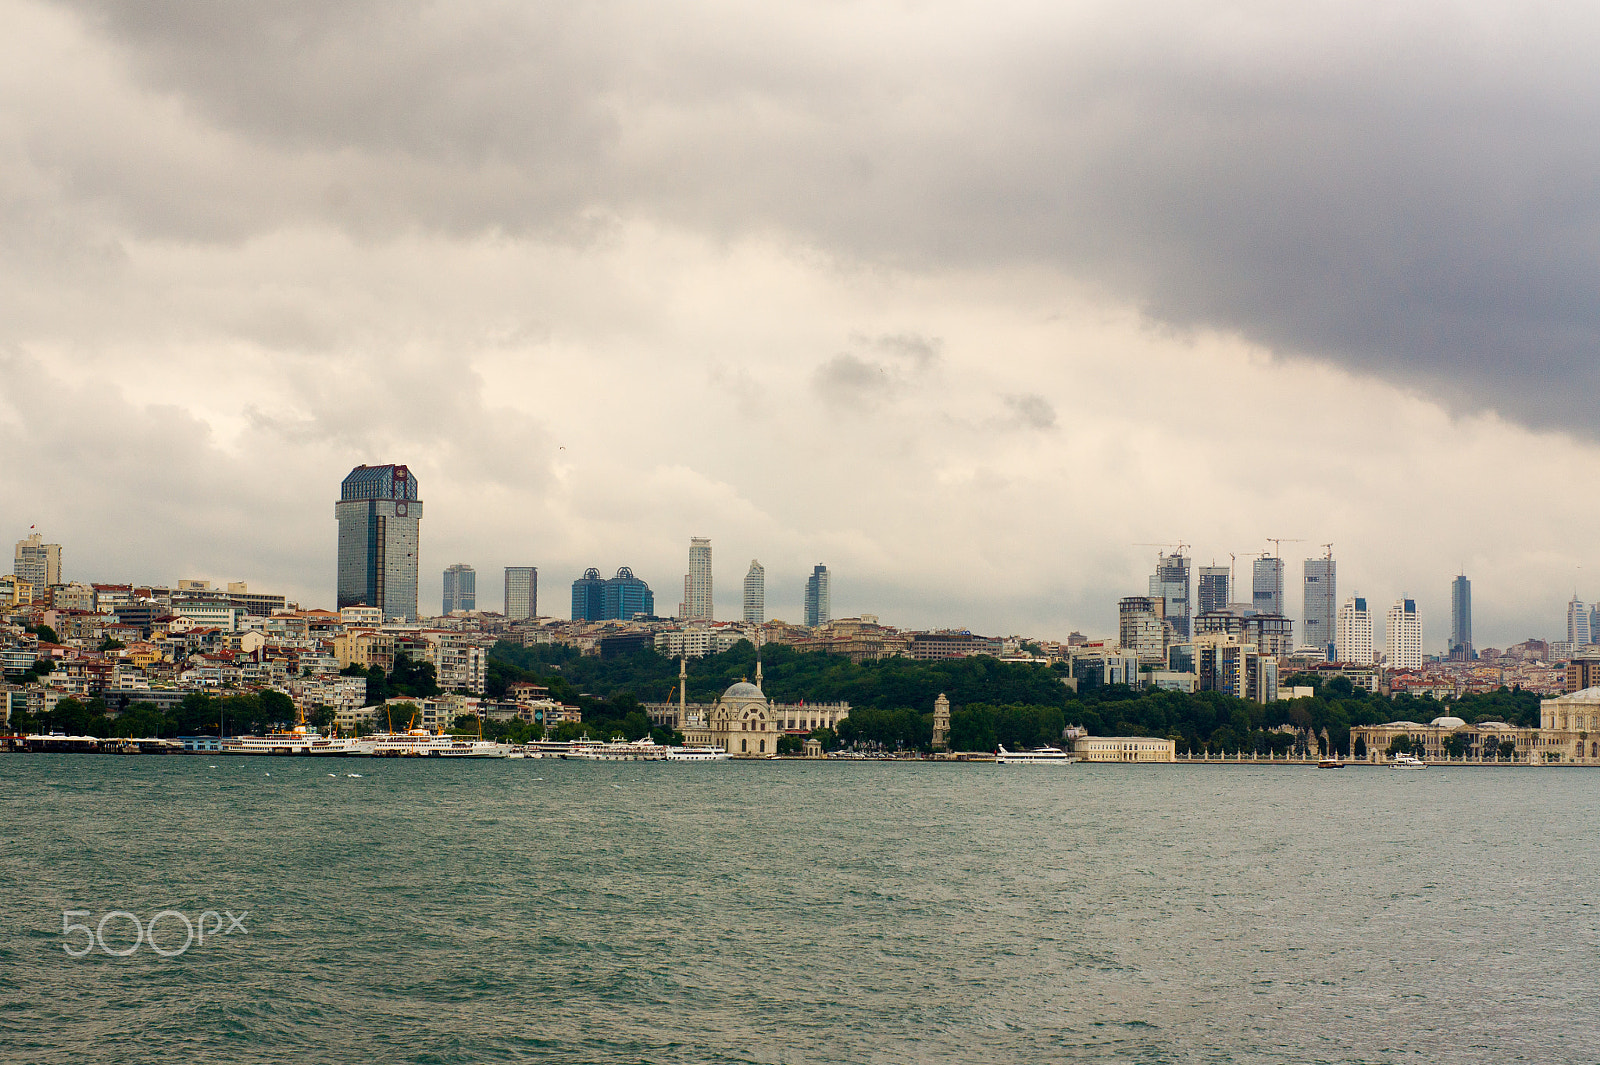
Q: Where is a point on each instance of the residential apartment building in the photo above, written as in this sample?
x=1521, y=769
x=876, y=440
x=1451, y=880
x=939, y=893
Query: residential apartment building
x=697, y=602
x=1403, y=635
x=755, y=594
x=1353, y=643
x=38, y=563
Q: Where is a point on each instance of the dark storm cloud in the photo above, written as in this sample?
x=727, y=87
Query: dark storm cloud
x=1407, y=190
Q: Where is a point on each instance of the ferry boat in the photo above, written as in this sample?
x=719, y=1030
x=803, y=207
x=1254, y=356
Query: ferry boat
x=1037, y=756
x=645, y=750
x=420, y=743
x=1330, y=763
x=302, y=739
x=1407, y=761
x=697, y=754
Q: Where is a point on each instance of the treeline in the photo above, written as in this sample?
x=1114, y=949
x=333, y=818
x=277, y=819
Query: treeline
x=789, y=676
x=992, y=702
x=197, y=715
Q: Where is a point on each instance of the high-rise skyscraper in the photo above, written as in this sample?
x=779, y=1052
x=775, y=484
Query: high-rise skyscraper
x=1321, y=604
x=460, y=588
x=625, y=596
x=819, y=611
x=1170, y=583
x=1211, y=588
x=522, y=592
x=755, y=594
x=1461, y=620
x=697, y=583
x=1579, y=633
x=1403, y=634
x=1266, y=585
x=1354, y=640
x=379, y=540
x=38, y=563
x=589, y=596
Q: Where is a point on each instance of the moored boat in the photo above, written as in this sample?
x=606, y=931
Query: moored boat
x=1037, y=756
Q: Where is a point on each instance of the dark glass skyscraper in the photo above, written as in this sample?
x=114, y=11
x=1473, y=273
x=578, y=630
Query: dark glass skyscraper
x=627, y=595
x=1170, y=583
x=589, y=596
x=1461, y=619
x=1212, y=588
x=819, y=610
x=379, y=517
x=617, y=599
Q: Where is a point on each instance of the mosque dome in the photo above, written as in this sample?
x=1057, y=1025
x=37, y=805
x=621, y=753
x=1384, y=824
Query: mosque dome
x=743, y=690
x=1447, y=722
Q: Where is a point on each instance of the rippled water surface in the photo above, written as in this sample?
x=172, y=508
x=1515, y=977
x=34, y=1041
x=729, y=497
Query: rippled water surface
x=627, y=912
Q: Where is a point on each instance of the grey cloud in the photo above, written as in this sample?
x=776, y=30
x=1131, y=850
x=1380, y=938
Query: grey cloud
x=1407, y=190
x=848, y=381
x=1032, y=411
x=921, y=352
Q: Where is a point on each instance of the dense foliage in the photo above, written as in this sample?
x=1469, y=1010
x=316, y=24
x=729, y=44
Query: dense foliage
x=197, y=715
x=992, y=702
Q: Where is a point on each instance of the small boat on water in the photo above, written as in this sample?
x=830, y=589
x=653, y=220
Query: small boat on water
x=1037, y=756
x=1330, y=763
x=1407, y=761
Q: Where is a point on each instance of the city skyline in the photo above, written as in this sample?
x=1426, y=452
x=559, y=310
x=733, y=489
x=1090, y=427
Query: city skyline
x=1458, y=595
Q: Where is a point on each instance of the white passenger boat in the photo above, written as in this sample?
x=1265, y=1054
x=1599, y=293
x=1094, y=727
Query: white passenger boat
x=645, y=750
x=696, y=754
x=1037, y=756
x=1330, y=763
x=1407, y=761
x=302, y=739
x=420, y=743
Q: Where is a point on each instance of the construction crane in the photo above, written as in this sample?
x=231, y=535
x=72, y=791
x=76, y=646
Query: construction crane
x=1277, y=543
x=1329, y=555
x=1180, y=546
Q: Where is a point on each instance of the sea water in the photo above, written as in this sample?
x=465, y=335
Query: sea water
x=794, y=912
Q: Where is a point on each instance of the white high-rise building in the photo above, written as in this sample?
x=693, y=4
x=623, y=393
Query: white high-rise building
x=1353, y=642
x=755, y=594
x=697, y=583
x=1579, y=619
x=522, y=592
x=38, y=563
x=1403, y=634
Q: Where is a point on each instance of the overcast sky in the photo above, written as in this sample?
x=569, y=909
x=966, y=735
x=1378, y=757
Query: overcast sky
x=963, y=300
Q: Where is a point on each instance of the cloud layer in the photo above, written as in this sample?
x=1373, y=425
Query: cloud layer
x=964, y=302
